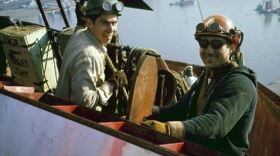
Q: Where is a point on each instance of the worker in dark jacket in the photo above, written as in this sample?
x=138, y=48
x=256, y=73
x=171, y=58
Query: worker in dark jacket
x=219, y=109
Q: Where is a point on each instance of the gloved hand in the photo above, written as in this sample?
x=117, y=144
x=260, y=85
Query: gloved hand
x=154, y=115
x=118, y=79
x=157, y=126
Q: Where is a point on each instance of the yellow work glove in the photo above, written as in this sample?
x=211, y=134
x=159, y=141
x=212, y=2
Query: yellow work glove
x=157, y=126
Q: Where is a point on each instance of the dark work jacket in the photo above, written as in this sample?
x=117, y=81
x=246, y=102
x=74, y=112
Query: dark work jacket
x=227, y=117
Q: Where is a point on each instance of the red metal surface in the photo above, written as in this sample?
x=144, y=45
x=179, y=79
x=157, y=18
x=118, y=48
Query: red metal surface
x=4, y=83
x=175, y=146
x=19, y=89
x=68, y=109
x=114, y=125
x=34, y=96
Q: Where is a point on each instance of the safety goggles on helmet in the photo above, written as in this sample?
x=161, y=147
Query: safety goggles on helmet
x=212, y=28
x=107, y=6
x=215, y=44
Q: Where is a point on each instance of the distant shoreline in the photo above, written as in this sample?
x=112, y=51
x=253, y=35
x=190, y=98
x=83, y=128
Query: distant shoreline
x=28, y=12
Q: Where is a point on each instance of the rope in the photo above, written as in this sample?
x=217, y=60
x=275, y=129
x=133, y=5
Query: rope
x=114, y=69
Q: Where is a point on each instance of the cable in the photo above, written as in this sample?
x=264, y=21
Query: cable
x=200, y=10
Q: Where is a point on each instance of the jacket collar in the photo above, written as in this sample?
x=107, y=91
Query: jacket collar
x=94, y=40
x=219, y=72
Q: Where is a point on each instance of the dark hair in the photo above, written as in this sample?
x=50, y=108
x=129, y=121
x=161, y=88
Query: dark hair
x=93, y=17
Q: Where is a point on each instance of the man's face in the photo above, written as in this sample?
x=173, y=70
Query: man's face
x=214, y=54
x=103, y=28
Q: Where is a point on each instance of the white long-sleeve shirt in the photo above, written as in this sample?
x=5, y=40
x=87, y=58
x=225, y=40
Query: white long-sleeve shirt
x=82, y=77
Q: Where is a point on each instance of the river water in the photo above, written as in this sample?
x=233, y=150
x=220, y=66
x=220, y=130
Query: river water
x=170, y=31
